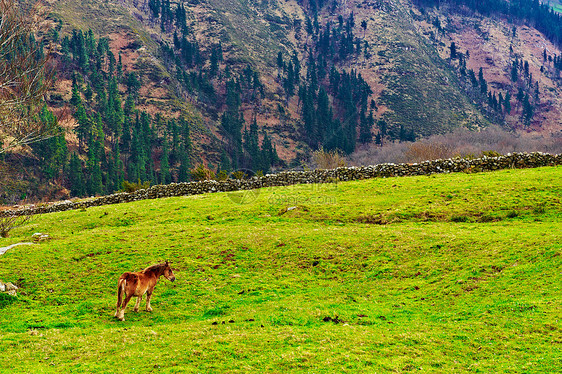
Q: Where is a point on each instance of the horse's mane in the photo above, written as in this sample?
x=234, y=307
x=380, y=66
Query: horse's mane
x=158, y=268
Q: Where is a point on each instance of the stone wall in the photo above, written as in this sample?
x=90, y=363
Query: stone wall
x=515, y=160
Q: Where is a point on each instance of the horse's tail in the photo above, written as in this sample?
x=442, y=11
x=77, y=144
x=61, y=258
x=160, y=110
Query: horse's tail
x=120, y=291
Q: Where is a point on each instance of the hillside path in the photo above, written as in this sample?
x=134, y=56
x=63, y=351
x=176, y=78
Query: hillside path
x=6, y=249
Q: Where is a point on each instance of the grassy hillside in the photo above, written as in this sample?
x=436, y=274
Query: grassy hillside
x=445, y=273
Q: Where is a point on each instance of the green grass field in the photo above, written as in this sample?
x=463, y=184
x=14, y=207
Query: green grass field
x=444, y=273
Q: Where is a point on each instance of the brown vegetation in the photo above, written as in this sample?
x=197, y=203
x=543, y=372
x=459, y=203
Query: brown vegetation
x=461, y=143
x=322, y=159
x=11, y=222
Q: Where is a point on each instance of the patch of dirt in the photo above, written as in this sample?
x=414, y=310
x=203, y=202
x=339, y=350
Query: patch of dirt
x=335, y=320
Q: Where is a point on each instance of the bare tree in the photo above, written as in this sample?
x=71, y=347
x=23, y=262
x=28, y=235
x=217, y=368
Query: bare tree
x=25, y=78
x=11, y=222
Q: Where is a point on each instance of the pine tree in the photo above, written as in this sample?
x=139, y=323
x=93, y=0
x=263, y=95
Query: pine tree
x=251, y=144
x=482, y=82
x=514, y=73
x=95, y=185
x=280, y=62
x=366, y=123
x=268, y=154
x=364, y=27
x=507, y=103
x=76, y=176
x=165, y=176
x=528, y=110
x=453, y=54
x=133, y=84
x=83, y=130
x=183, y=172
x=225, y=162
x=118, y=176
x=76, y=99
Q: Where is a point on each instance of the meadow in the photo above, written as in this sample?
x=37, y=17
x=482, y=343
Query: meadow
x=442, y=273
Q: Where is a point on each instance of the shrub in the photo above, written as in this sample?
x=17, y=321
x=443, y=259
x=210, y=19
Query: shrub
x=322, y=159
x=132, y=186
x=461, y=143
x=422, y=151
x=202, y=173
x=457, y=218
x=6, y=300
x=512, y=214
x=238, y=174
x=11, y=222
x=490, y=154
x=222, y=175
x=487, y=218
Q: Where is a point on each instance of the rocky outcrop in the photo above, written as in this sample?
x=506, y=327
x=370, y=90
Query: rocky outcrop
x=515, y=160
x=9, y=288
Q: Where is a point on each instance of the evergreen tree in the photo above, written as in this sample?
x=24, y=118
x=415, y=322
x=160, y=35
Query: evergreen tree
x=366, y=123
x=482, y=82
x=528, y=110
x=165, y=176
x=514, y=73
x=76, y=99
x=251, y=144
x=453, y=49
x=225, y=162
x=51, y=152
x=268, y=154
x=76, y=176
x=507, y=103
x=118, y=176
x=95, y=184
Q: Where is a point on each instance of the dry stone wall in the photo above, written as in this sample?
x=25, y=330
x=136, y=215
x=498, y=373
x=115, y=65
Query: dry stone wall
x=515, y=160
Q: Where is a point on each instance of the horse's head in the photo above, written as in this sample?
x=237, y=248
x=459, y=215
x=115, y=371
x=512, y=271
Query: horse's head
x=168, y=274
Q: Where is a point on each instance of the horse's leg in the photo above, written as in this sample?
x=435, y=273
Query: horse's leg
x=137, y=304
x=121, y=314
x=120, y=292
x=148, y=297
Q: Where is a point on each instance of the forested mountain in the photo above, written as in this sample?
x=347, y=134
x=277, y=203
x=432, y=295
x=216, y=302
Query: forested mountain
x=163, y=91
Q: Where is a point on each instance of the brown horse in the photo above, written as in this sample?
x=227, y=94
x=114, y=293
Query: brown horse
x=139, y=283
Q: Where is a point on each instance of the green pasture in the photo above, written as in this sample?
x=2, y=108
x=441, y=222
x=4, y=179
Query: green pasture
x=444, y=273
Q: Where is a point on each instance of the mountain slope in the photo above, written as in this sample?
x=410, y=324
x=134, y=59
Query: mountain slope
x=414, y=86
x=259, y=85
x=495, y=45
